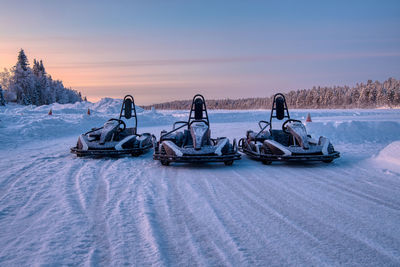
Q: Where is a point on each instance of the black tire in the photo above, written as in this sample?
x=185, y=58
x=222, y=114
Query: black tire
x=228, y=162
x=327, y=160
x=136, y=154
x=165, y=162
x=266, y=162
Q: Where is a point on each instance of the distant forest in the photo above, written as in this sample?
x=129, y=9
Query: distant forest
x=363, y=95
x=33, y=86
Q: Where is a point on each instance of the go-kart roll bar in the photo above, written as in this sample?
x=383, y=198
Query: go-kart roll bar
x=128, y=99
x=282, y=108
x=192, y=109
x=192, y=118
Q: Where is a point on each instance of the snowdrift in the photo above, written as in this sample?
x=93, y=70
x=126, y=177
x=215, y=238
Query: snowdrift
x=104, y=106
x=356, y=132
x=389, y=157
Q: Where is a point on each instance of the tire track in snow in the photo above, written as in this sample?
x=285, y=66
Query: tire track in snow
x=182, y=241
x=364, y=196
x=101, y=253
x=87, y=193
x=349, y=211
x=252, y=196
x=151, y=204
x=14, y=173
x=345, y=237
x=15, y=192
x=190, y=213
x=258, y=209
x=204, y=192
x=44, y=178
x=125, y=213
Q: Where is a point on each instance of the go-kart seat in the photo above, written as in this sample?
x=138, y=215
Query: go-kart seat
x=281, y=137
x=187, y=139
x=104, y=133
x=177, y=138
x=109, y=128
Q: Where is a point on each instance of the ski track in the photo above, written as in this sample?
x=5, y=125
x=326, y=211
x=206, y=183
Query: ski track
x=56, y=209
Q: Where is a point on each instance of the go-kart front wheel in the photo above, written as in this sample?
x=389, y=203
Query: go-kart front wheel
x=228, y=162
x=165, y=162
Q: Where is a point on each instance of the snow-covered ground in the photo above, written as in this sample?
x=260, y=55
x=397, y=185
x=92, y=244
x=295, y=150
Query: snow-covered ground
x=56, y=209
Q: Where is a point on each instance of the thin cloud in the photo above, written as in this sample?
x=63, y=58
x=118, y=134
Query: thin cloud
x=222, y=60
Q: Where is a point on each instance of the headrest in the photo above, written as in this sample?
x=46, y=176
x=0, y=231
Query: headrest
x=280, y=107
x=128, y=108
x=198, y=109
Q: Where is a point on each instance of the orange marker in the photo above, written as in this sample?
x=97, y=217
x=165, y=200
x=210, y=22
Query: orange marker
x=308, y=118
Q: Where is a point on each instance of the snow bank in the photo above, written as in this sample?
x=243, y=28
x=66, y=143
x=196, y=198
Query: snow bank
x=104, y=106
x=356, y=132
x=110, y=106
x=391, y=153
x=389, y=157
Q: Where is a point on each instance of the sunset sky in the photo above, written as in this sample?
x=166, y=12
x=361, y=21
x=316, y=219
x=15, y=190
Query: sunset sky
x=165, y=50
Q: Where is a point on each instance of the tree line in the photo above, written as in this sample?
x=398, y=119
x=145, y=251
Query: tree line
x=33, y=86
x=363, y=95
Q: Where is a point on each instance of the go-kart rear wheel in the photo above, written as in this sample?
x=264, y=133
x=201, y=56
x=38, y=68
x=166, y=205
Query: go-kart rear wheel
x=327, y=160
x=228, y=162
x=136, y=154
x=165, y=162
x=266, y=162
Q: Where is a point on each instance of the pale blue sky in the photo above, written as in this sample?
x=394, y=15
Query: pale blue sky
x=164, y=50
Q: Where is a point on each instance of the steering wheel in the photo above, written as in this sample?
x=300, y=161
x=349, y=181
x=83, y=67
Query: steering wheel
x=178, y=122
x=263, y=127
x=284, y=128
x=120, y=122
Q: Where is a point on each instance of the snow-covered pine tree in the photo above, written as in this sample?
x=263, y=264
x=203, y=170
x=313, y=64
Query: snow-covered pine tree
x=37, y=92
x=27, y=85
x=373, y=94
x=41, y=67
x=390, y=97
x=23, y=60
x=2, y=100
x=35, y=68
x=396, y=101
x=22, y=83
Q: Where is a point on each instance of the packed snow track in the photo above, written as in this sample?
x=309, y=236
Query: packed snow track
x=57, y=209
